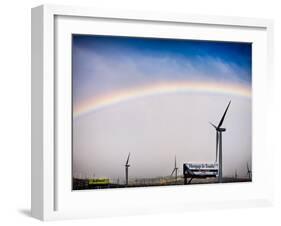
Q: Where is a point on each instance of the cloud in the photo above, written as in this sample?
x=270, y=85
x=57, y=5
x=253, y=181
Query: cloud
x=98, y=74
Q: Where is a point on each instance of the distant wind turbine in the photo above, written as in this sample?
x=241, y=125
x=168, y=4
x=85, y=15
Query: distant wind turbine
x=175, y=170
x=127, y=168
x=219, y=131
x=249, y=172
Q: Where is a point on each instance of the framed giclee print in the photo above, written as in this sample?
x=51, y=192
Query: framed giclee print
x=139, y=112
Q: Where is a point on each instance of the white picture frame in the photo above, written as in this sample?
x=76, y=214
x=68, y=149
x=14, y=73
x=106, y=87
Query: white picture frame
x=52, y=197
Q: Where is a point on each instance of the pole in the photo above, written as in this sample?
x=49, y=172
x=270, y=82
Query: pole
x=126, y=172
x=220, y=158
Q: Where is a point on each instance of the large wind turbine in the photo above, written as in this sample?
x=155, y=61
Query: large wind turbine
x=249, y=172
x=175, y=170
x=127, y=168
x=219, y=131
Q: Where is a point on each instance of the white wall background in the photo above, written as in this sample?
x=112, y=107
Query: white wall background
x=15, y=111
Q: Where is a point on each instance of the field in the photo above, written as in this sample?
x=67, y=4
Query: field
x=84, y=184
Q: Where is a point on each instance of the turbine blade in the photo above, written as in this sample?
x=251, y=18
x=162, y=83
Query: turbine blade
x=175, y=162
x=222, y=119
x=213, y=125
x=217, y=143
x=173, y=171
x=128, y=158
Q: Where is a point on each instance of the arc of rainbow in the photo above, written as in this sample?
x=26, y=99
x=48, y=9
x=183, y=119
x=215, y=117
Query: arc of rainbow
x=97, y=103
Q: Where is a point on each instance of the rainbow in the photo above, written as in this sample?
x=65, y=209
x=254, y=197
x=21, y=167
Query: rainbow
x=96, y=103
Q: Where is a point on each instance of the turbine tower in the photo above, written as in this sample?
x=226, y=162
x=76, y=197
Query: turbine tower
x=219, y=131
x=249, y=172
x=175, y=170
x=127, y=169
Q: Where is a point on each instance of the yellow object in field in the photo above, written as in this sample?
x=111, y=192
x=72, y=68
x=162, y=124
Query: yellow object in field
x=98, y=181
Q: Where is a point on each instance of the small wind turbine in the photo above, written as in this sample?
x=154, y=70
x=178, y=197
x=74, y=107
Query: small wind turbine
x=175, y=170
x=127, y=168
x=219, y=131
x=249, y=172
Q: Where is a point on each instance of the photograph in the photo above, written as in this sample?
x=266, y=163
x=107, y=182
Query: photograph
x=150, y=111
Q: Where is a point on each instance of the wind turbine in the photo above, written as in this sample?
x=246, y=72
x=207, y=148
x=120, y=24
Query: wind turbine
x=249, y=172
x=127, y=168
x=236, y=174
x=175, y=170
x=219, y=131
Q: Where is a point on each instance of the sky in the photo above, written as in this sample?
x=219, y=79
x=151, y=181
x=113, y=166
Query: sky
x=154, y=98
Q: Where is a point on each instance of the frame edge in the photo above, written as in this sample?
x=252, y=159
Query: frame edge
x=37, y=162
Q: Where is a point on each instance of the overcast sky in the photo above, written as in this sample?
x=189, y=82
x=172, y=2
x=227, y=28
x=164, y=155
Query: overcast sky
x=158, y=126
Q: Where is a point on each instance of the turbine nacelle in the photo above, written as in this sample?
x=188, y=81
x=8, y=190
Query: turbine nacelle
x=218, y=129
x=221, y=129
